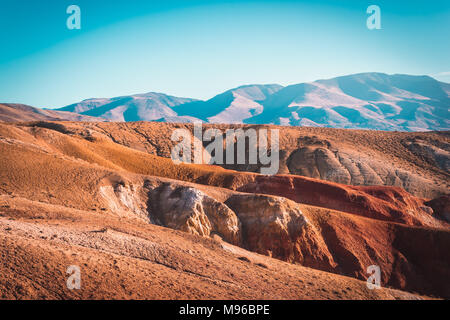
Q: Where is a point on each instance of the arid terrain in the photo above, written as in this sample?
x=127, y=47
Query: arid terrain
x=107, y=197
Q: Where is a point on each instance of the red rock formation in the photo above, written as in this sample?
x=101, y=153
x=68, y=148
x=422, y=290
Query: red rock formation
x=276, y=227
x=377, y=202
x=441, y=207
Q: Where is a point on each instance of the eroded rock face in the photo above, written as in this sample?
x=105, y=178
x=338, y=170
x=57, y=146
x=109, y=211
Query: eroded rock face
x=125, y=199
x=351, y=168
x=273, y=226
x=276, y=227
x=441, y=207
x=440, y=156
x=376, y=202
x=283, y=229
x=269, y=225
x=190, y=210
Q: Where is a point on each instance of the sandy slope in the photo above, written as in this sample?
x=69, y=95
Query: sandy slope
x=416, y=162
x=11, y=112
x=122, y=259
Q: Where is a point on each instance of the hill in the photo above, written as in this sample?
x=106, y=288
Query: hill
x=72, y=193
x=11, y=112
x=417, y=162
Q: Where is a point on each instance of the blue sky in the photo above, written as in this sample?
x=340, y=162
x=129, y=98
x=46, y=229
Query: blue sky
x=200, y=48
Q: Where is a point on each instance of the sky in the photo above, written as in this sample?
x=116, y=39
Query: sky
x=197, y=49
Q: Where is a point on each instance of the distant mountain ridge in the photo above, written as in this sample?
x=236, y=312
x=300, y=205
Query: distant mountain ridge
x=13, y=112
x=232, y=106
x=360, y=101
x=367, y=100
x=147, y=107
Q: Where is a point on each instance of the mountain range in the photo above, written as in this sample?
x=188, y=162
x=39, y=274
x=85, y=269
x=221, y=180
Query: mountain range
x=366, y=101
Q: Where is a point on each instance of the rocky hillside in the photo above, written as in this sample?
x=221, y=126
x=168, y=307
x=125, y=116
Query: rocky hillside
x=76, y=193
x=416, y=162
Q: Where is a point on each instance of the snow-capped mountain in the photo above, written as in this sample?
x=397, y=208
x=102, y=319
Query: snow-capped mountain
x=367, y=100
